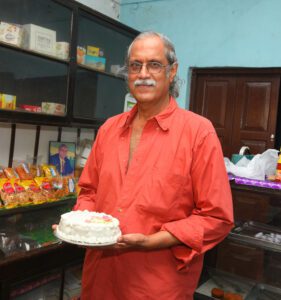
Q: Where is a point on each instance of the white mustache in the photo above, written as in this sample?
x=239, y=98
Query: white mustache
x=148, y=82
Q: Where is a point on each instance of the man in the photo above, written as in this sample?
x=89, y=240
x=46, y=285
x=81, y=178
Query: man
x=61, y=161
x=159, y=169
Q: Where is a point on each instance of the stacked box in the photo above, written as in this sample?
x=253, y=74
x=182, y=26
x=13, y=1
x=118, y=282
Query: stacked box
x=53, y=108
x=8, y=101
x=39, y=39
x=94, y=58
x=10, y=33
x=81, y=52
x=95, y=62
x=62, y=50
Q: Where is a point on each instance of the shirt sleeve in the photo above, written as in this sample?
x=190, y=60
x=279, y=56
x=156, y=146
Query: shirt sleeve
x=89, y=178
x=212, y=216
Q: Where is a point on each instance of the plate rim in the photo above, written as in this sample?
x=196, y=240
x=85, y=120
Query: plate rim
x=56, y=234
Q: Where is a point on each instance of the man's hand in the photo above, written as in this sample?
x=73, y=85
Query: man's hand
x=159, y=240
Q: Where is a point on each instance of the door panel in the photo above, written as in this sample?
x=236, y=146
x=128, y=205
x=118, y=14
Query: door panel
x=215, y=96
x=256, y=112
x=242, y=104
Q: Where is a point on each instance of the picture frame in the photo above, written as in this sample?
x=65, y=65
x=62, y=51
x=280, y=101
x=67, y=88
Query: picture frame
x=62, y=155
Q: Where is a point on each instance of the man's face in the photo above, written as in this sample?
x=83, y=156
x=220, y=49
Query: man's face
x=63, y=152
x=144, y=50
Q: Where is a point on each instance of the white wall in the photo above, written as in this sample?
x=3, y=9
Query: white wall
x=111, y=8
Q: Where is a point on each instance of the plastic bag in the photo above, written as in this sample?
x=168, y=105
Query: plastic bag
x=259, y=167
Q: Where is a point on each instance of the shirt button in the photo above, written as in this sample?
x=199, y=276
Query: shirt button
x=119, y=209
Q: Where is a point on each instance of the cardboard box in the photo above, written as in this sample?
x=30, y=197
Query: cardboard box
x=39, y=39
x=11, y=33
x=8, y=101
x=53, y=108
x=62, y=50
x=31, y=108
x=81, y=53
x=95, y=62
x=92, y=50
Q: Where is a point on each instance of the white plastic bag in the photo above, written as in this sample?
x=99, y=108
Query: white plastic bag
x=259, y=167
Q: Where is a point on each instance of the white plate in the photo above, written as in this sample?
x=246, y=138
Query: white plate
x=57, y=234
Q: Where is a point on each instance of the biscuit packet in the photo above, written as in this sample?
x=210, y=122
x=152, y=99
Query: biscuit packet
x=50, y=171
x=35, y=194
x=23, y=171
x=7, y=193
x=10, y=173
x=35, y=170
x=20, y=193
x=46, y=187
x=2, y=174
x=69, y=185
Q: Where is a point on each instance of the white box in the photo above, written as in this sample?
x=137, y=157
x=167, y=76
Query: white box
x=39, y=39
x=62, y=50
x=53, y=108
x=10, y=33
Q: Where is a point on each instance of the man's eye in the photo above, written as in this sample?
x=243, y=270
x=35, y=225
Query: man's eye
x=134, y=65
x=154, y=65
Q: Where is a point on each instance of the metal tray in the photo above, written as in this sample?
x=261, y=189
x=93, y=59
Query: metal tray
x=264, y=292
x=247, y=233
x=225, y=281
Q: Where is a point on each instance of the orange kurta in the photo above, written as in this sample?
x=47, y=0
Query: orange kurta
x=177, y=182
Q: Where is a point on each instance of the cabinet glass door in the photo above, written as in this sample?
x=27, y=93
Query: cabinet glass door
x=34, y=55
x=100, y=87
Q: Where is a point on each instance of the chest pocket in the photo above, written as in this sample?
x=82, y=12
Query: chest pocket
x=161, y=195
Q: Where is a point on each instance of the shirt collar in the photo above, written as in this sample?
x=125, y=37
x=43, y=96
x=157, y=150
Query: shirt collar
x=163, y=118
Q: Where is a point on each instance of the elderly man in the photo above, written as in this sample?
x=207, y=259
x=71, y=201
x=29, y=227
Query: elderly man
x=159, y=169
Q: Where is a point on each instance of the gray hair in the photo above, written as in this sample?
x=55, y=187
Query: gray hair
x=170, y=54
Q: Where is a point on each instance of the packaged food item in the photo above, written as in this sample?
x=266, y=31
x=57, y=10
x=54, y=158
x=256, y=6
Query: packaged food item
x=2, y=174
x=8, y=101
x=95, y=62
x=35, y=194
x=7, y=193
x=10, y=173
x=38, y=38
x=20, y=193
x=23, y=171
x=62, y=50
x=81, y=52
x=52, y=108
x=35, y=170
x=10, y=33
x=50, y=171
x=46, y=187
x=93, y=50
x=31, y=108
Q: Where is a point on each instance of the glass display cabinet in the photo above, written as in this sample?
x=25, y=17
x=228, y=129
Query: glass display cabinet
x=247, y=264
x=60, y=66
x=60, y=63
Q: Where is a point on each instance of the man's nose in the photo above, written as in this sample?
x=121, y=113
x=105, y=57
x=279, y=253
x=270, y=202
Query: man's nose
x=144, y=72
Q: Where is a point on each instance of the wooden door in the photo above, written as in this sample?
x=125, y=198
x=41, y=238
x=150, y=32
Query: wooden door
x=215, y=99
x=241, y=103
x=256, y=112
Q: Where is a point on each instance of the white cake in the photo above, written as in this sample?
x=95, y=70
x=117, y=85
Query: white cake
x=85, y=227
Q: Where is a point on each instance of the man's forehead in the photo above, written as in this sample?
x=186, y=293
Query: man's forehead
x=148, y=47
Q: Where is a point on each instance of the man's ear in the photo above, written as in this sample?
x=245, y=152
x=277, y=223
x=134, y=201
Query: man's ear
x=173, y=72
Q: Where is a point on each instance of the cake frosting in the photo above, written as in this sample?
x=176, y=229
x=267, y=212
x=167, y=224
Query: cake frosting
x=88, y=227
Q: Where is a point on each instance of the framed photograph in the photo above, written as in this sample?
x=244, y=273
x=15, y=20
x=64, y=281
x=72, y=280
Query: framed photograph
x=62, y=156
